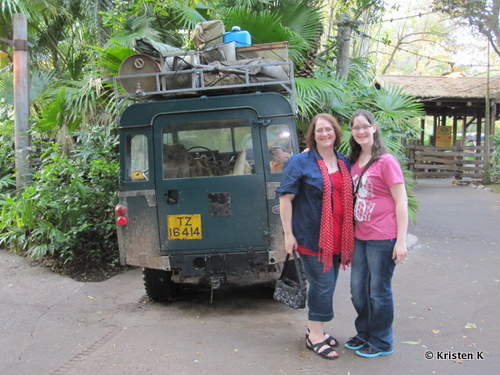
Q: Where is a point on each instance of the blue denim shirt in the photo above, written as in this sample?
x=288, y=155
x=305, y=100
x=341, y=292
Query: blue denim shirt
x=302, y=177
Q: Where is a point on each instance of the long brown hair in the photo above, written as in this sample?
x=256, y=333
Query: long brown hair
x=311, y=142
x=378, y=147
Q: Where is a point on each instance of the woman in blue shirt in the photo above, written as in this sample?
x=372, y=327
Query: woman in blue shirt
x=316, y=214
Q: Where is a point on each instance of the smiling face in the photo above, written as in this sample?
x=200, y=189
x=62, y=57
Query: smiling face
x=362, y=131
x=324, y=134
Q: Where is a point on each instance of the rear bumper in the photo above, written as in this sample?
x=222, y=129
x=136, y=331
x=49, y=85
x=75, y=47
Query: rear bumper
x=220, y=265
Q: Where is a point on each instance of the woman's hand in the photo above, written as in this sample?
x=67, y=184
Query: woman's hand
x=286, y=212
x=400, y=251
x=290, y=243
x=398, y=192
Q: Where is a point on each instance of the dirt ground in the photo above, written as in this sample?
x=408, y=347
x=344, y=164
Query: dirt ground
x=446, y=294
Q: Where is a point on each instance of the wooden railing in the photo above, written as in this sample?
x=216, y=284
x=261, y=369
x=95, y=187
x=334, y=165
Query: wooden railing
x=461, y=162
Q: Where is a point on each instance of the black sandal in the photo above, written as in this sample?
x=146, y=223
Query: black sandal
x=322, y=353
x=328, y=339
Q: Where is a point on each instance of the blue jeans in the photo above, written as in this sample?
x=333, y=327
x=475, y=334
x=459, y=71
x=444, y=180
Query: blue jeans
x=321, y=287
x=371, y=293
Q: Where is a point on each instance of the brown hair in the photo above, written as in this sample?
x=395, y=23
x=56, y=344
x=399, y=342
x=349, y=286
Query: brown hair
x=378, y=147
x=311, y=142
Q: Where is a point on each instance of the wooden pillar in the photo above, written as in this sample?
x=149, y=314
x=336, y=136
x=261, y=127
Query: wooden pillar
x=479, y=129
x=454, y=140
x=21, y=100
x=422, y=134
x=434, y=131
x=464, y=129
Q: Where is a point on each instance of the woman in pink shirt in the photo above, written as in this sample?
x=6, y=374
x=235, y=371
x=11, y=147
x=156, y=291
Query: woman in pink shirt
x=381, y=223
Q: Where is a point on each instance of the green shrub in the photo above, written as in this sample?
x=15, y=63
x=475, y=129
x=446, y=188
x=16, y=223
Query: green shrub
x=66, y=214
x=6, y=146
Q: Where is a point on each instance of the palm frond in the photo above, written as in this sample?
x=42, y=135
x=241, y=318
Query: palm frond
x=186, y=16
x=303, y=17
x=314, y=95
x=40, y=82
x=139, y=28
x=397, y=111
x=266, y=27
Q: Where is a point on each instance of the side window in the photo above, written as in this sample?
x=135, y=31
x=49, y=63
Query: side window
x=208, y=148
x=137, y=165
x=279, y=146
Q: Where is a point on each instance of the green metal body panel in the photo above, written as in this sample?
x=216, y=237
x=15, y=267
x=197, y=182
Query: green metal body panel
x=240, y=228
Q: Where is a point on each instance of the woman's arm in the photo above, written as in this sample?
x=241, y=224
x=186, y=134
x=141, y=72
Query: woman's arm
x=398, y=192
x=286, y=212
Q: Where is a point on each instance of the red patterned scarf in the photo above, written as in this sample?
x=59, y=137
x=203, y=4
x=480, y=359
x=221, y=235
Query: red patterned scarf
x=326, y=230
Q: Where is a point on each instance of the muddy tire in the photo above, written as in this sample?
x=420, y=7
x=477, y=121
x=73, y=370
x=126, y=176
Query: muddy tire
x=159, y=285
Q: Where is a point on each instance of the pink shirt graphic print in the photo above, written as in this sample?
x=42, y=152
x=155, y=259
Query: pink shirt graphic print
x=374, y=211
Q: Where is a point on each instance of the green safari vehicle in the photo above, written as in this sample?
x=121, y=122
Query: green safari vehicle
x=197, y=183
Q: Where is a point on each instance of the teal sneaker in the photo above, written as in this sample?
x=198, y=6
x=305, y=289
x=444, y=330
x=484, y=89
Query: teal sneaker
x=354, y=343
x=369, y=351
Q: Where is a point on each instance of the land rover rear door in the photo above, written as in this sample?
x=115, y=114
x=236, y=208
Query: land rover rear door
x=211, y=193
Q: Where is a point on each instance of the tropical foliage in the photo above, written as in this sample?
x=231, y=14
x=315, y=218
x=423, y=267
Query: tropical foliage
x=77, y=46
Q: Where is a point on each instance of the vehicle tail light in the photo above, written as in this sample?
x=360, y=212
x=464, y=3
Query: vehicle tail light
x=121, y=210
x=121, y=221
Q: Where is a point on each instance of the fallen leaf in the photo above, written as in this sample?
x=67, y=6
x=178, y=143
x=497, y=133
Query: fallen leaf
x=90, y=297
x=470, y=325
x=411, y=342
x=435, y=331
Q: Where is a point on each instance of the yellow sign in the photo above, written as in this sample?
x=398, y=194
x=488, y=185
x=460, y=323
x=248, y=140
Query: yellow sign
x=443, y=136
x=138, y=175
x=184, y=227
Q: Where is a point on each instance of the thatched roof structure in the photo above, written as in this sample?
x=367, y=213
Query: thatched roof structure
x=446, y=95
x=443, y=87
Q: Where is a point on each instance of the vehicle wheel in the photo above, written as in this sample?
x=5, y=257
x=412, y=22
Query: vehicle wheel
x=158, y=284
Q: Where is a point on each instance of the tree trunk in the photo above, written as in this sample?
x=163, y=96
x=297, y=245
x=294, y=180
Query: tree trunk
x=344, y=39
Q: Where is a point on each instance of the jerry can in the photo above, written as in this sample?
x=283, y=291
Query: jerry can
x=241, y=38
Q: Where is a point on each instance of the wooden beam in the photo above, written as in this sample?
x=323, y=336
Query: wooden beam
x=454, y=139
x=478, y=130
x=422, y=133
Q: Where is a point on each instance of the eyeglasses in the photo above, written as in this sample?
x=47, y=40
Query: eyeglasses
x=357, y=129
x=324, y=130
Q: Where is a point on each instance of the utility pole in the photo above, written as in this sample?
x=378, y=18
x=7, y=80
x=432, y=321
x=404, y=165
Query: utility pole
x=487, y=126
x=21, y=100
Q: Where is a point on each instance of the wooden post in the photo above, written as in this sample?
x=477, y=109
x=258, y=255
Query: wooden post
x=21, y=100
x=434, y=131
x=422, y=134
x=464, y=130
x=454, y=140
x=411, y=157
x=488, y=124
x=459, y=160
x=479, y=129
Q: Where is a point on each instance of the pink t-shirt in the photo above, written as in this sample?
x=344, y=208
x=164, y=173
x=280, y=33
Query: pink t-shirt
x=375, y=209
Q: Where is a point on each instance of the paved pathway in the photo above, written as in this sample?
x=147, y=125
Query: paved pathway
x=447, y=296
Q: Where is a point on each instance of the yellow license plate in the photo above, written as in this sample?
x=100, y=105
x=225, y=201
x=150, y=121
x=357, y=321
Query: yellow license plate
x=184, y=227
